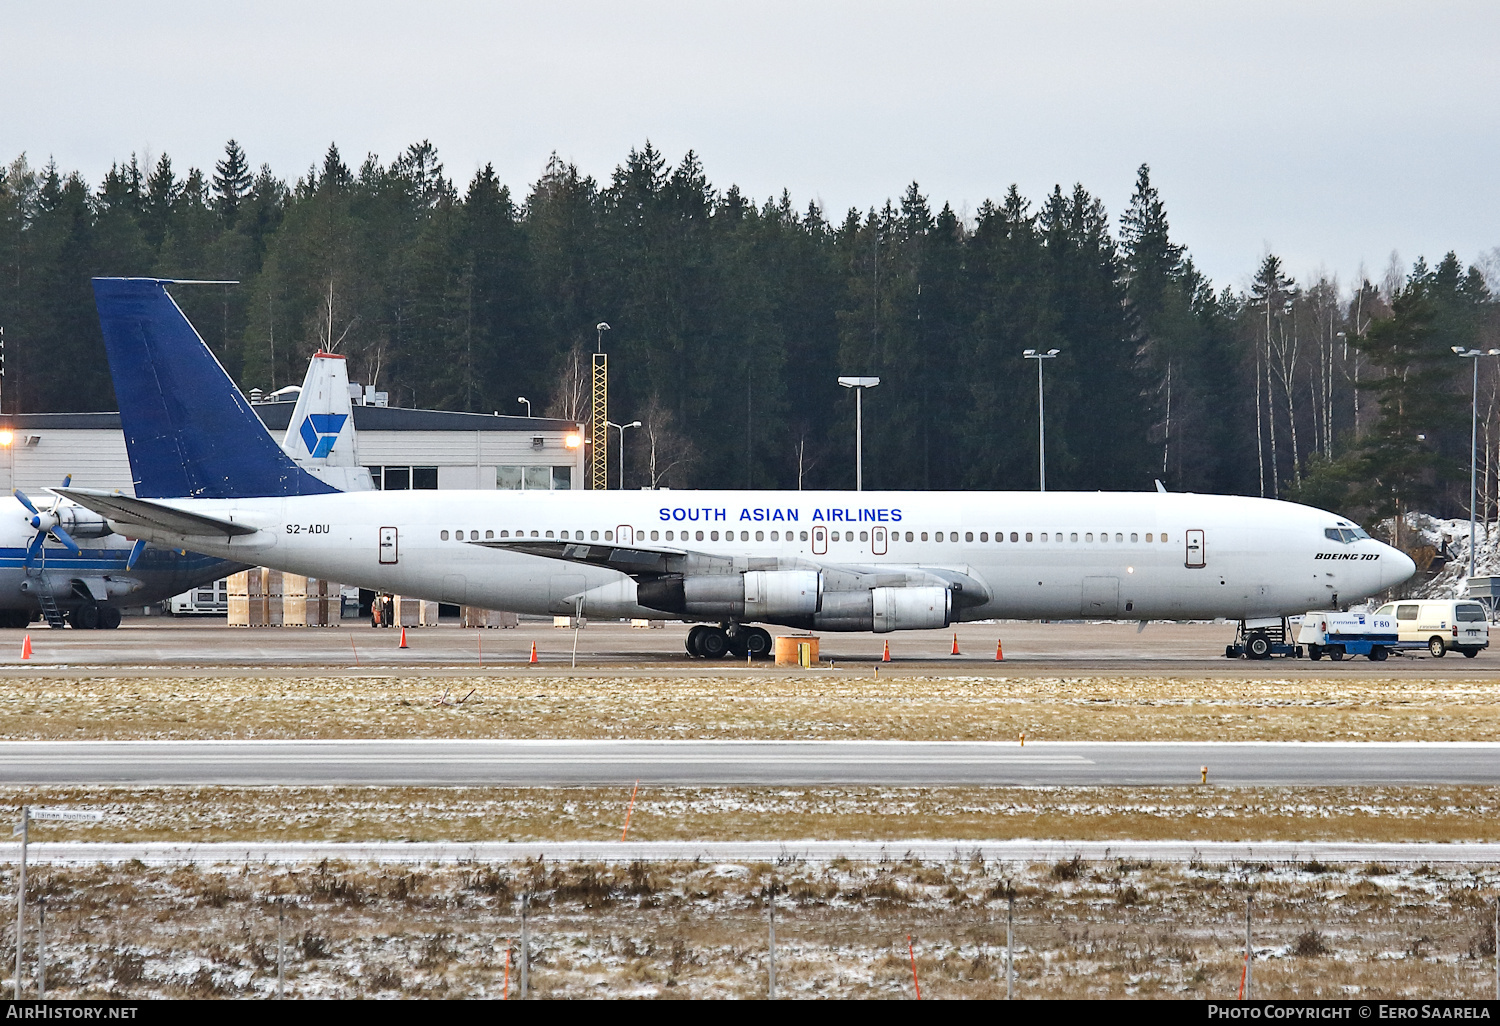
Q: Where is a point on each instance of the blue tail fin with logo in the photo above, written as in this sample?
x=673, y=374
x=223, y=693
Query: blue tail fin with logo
x=189, y=430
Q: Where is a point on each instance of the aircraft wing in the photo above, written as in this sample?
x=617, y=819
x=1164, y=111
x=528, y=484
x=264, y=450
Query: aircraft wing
x=635, y=560
x=648, y=563
x=132, y=512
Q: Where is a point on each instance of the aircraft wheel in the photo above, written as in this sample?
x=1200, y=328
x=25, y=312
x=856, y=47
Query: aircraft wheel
x=713, y=643
x=109, y=618
x=1470, y=653
x=691, y=642
x=758, y=643
x=1258, y=646
x=1437, y=648
x=84, y=617
x=1315, y=652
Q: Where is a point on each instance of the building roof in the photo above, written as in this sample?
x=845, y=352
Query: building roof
x=276, y=417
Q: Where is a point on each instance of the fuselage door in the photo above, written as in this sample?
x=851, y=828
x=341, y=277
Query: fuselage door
x=388, y=545
x=1197, y=557
x=820, y=540
x=624, y=535
x=877, y=541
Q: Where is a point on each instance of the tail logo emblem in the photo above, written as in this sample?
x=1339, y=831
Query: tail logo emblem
x=320, y=431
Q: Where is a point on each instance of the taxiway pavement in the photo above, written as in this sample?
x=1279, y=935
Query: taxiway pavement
x=553, y=763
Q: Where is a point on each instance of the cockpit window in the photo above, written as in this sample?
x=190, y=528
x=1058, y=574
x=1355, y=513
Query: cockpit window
x=1344, y=535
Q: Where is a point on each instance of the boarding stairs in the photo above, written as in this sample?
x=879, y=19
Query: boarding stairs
x=50, y=611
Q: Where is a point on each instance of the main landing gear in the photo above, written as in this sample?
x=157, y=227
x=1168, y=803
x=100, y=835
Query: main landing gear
x=94, y=616
x=734, y=639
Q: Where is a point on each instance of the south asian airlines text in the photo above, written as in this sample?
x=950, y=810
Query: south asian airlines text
x=878, y=515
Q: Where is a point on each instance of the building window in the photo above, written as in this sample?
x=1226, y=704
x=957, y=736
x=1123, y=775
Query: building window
x=424, y=478
x=513, y=477
x=562, y=478
x=395, y=479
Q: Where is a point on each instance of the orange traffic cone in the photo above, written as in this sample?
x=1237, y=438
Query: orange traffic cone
x=26, y=648
x=403, y=638
x=955, y=644
x=999, y=651
x=887, y=656
x=533, y=652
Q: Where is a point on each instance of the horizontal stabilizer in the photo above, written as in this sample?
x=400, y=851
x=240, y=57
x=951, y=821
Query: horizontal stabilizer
x=131, y=512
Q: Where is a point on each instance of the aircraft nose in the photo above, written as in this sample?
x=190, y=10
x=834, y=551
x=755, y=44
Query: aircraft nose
x=1395, y=567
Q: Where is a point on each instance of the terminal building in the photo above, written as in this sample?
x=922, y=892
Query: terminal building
x=402, y=449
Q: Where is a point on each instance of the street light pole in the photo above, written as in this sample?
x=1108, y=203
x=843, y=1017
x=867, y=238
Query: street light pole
x=523, y=399
x=1473, y=354
x=1041, y=414
x=859, y=384
x=622, y=428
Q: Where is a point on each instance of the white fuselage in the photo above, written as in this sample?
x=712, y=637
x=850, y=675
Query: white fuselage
x=1038, y=555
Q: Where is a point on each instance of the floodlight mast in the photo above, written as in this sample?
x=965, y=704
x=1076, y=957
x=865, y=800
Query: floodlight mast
x=859, y=384
x=1041, y=414
x=1473, y=354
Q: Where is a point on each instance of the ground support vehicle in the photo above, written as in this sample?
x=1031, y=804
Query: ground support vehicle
x=1263, y=638
x=1440, y=625
x=1337, y=634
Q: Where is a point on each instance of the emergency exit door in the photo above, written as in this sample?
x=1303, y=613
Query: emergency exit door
x=1196, y=556
x=877, y=541
x=820, y=540
x=388, y=545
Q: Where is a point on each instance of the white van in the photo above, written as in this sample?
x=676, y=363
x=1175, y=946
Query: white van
x=1444, y=626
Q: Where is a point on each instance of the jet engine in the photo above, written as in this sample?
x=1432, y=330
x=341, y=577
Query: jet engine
x=764, y=596
x=883, y=610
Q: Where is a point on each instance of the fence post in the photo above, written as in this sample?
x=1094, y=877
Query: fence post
x=22, y=828
x=525, y=944
x=771, y=909
x=1249, y=951
x=1010, y=950
x=280, y=951
x=41, y=948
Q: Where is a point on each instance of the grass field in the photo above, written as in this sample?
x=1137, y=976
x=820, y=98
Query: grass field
x=1101, y=707
x=1109, y=929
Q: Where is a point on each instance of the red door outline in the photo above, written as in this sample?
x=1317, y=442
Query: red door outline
x=624, y=533
x=820, y=540
x=1197, y=553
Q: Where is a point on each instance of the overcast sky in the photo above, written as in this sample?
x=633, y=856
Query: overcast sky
x=1331, y=133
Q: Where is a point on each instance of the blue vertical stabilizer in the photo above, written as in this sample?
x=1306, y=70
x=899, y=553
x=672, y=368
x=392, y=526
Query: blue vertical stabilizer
x=189, y=430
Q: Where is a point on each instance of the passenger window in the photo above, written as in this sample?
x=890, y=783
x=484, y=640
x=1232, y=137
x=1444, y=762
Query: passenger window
x=609, y=536
x=909, y=536
x=1134, y=537
x=1148, y=537
x=775, y=535
x=443, y=535
x=549, y=534
x=1044, y=536
x=473, y=536
x=1163, y=539
x=1119, y=537
x=924, y=535
x=1104, y=536
x=700, y=535
x=802, y=535
x=505, y=534
x=1028, y=536
x=1015, y=537
x=760, y=536
x=984, y=536
x=713, y=535
x=1073, y=537
x=535, y=534
x=1089, y=537
x=593, y=536
x=864, y=536
x=489, y=535
x=968, y=536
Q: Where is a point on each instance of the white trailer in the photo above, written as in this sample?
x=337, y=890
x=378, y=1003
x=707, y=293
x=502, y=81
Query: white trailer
x=1336, y=634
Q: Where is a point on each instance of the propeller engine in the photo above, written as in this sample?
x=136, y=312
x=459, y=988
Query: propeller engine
x=61, y=522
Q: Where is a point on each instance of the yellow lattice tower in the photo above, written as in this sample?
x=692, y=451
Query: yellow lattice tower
x=599, y=458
